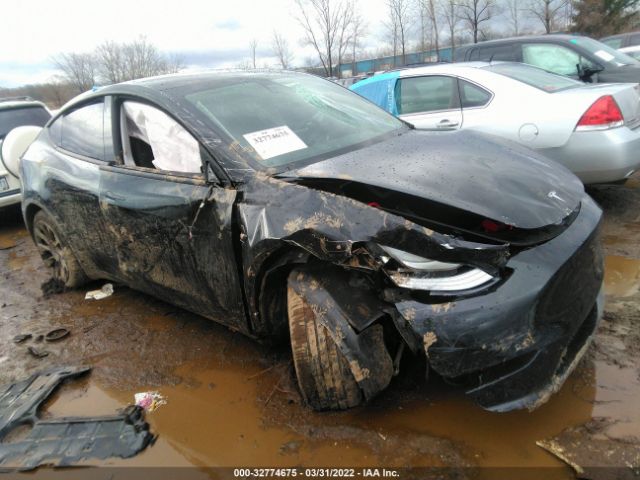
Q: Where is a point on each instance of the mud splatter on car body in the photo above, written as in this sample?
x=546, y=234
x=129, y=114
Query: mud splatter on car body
x=223, y=243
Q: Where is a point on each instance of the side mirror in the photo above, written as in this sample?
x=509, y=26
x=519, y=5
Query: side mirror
x=208, y=170
x=209, y=174
x=585, y=73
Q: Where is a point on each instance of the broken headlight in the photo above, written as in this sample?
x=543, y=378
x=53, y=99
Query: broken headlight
x=419, y=273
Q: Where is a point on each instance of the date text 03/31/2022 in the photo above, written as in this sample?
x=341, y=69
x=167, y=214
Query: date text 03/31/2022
x=315, y=472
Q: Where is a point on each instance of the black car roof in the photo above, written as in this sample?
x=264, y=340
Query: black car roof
x=167, y=82
x=620, y=35
x=563, y=37
x=160, y=86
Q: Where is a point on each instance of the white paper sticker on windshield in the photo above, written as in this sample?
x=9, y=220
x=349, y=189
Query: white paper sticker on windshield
x=606, y=56
x=274, y=141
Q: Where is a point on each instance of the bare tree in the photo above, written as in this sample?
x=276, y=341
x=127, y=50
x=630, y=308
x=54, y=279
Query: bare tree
x=321, y=21
x=345, y=31
x=79, y=69
x=143, y=59
x=476, y=12
x=549, y=12
x=451, y=15
x=113, y=62
x=174, y=63
x=391, y=29
x=400, y=20
x=429, y=9
x=513, y=15
x=424, y=27
x=57, y=92
x=358, y=30
x=253, y=46
x=281, y=49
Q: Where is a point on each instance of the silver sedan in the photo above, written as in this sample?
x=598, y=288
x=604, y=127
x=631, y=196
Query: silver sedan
x=593, y=130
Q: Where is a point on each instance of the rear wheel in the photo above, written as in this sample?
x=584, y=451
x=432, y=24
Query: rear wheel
x=323, y=373
x=55, y=254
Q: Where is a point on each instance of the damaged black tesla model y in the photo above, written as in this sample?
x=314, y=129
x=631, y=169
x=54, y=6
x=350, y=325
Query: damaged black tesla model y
x=285, y=206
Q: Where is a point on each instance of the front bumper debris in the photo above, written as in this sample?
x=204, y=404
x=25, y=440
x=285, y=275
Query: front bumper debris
x=63, y=441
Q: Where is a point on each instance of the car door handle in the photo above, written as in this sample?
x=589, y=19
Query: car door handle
x=446, y=123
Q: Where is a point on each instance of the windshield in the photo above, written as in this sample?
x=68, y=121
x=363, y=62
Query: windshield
x=603, y=52
x=282, y=119
x=533, y=76
x=18, y=117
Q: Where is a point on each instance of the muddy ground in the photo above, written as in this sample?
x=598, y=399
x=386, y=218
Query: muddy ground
x=232, y=402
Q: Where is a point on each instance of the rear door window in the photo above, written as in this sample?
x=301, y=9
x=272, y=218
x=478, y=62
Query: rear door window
x=498, y=52
x=83, y=131
x=472, y=96
x=427, y=94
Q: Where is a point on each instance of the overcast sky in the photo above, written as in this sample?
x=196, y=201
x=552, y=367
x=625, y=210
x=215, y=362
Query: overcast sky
x=214, y=33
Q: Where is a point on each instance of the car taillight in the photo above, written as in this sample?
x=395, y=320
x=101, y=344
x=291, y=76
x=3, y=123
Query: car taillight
x=602, y=115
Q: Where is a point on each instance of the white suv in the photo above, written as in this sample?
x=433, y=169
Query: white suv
x=16, y=112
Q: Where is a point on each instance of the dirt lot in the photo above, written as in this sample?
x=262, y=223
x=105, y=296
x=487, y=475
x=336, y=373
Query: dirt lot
x=232, y=402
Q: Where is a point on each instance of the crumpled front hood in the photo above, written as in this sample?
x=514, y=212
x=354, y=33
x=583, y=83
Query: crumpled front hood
x=484, y=175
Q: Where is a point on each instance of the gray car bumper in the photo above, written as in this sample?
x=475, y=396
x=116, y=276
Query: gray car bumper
x=600, y=156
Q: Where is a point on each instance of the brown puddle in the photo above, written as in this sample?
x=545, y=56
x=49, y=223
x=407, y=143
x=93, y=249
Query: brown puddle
x=218, y=417
x=223, y=408
x=622, y=276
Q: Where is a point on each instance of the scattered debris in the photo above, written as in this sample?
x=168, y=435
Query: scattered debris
x=593, y=454
x=104, y=292
x=149, y=400
x=37, y=353
x=23, y=337
x=290, y=447
x=56, y=334
x=63, y=441
x=52, y=286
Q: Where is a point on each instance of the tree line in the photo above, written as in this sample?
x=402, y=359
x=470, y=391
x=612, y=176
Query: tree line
x=336, y=32
x=110, y=62
x=335, y=28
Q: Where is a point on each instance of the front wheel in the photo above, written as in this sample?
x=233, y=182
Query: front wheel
x=55, y=254
x=323, y=373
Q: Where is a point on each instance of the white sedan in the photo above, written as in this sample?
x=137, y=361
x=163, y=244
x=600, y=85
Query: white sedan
x=594, y=130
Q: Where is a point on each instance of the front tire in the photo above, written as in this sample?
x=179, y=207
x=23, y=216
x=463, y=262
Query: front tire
x=323, y=373
x=57, y=256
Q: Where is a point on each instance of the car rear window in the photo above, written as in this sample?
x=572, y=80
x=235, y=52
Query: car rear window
x=18, y=117
x=535, y=77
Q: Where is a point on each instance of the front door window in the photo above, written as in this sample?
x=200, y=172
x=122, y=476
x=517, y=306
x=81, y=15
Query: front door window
x=152, y=139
